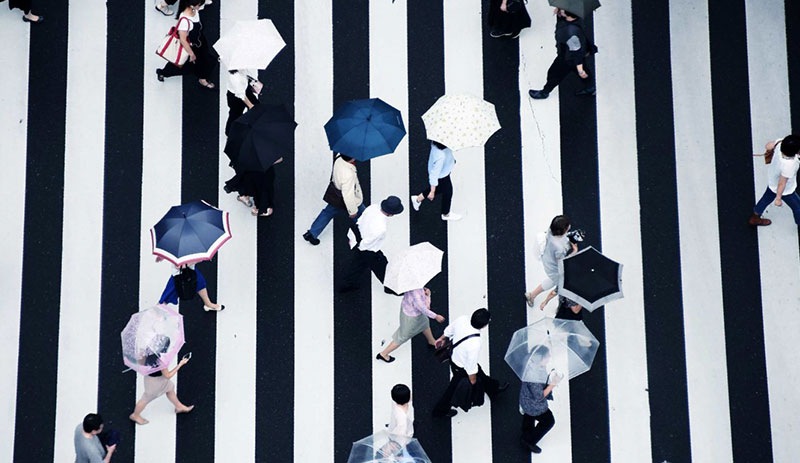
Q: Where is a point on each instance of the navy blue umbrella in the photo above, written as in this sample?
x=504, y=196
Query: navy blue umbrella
x=190, y=232
x=365, y=129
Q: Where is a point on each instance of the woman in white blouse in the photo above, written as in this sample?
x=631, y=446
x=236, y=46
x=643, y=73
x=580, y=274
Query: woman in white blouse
x=190, y=30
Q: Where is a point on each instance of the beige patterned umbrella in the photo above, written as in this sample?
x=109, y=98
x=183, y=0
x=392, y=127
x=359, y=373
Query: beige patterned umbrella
x=460, y=121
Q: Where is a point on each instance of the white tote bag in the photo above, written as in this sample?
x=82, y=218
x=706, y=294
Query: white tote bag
x=171, y=48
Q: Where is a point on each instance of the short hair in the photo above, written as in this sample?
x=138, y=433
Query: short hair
x=570, y=14
x=480, y=318
x=92, y=422
x=345, y=157
x=401, y=394
x=441, y=146
x=790, y=145
x=559, y=225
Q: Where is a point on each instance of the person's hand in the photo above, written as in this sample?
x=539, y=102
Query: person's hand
x=353, y=216
x=440, y=319
x=183, y=362
x=192, y=57
x=574, y=246
x=439, y=343
x=431, y=195
x=583, y=74
x=427, y=291
x=111, y=448
x=503, y=7
x=778, y=202
x=556, y=378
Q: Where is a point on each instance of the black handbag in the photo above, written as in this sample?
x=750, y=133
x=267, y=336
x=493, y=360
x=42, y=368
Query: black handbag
x=333, y=195
x=445, y=351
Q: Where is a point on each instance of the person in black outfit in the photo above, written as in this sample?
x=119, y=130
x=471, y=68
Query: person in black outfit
x=569, y=309
x=572, y=47
x=25, y=6
x=505, y=21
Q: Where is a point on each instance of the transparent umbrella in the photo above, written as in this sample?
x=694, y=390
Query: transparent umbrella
x=152, y=338
x=551, y=346
x=413, y=268
x=383, y=447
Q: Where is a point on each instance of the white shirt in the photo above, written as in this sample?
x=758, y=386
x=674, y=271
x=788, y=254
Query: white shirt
x=783, y=167
x=402, y=421
x=465, y=355
x=372, y=225
x=238, y=81
x=187, y=26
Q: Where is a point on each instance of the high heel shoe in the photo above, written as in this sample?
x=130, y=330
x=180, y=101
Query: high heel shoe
x=211, y=309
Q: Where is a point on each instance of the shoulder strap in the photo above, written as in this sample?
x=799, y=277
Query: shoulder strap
x=332, y=164
x=473, y=335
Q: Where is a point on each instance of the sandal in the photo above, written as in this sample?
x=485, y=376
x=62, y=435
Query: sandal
x=164, y=9
x=247, y=201
x=255, y=212
x=208, y=85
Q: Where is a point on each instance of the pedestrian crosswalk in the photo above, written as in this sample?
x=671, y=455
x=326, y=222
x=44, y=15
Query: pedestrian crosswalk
x=696, y=362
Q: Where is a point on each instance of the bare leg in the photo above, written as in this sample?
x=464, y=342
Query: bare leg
x=429, y=336
x=389, y=349
x=179, y=406
x=203, y=293
x=137, y=412
x=547, y=299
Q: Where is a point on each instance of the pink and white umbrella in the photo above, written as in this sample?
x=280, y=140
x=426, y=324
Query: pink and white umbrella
x=152, y=338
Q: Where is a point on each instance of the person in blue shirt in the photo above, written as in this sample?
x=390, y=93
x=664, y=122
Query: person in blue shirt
x=440, y=164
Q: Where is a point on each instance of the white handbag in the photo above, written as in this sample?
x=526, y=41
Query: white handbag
x=171, y=48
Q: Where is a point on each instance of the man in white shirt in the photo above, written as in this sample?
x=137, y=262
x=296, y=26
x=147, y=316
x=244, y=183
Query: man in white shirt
x=366, y=241
x=781, y=180
x=465, y=333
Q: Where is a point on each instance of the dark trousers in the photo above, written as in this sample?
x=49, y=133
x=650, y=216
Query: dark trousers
x=201, y=68
x=533, y=433
x=560, y=69
x=445, y=189
x=490, y=386
x=360, y=262
x=236, y=107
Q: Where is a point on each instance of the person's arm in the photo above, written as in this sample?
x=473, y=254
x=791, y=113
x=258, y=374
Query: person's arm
x=109, y=451
x=184, y=37
x=504, y=6
x=170, y=373
x=422, y=302
x=347, y=180
x=434, y=171
x=779, y=193
x=576, y=308
x=473, y=378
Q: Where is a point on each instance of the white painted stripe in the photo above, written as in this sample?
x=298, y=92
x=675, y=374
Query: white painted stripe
x=541, y=187
x=466, y=239
x=619, y=205
x=235, y=391
x=313, y=336
x=778, y=253
x=79, y=324
x=15, y=36
x=161, y=180
x=388, y=76
x=701, y=274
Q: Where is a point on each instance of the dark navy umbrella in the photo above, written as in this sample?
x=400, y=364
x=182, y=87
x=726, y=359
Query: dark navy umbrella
x=190, y=232
x=365, y=129
x=590, y=278
x=260, y=137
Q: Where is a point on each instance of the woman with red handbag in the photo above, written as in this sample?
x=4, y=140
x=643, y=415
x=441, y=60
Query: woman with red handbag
x=190, y=30
x=25, y=6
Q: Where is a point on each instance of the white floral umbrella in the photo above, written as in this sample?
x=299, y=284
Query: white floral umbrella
x=413, y=268
x=460, y=121
x=250, y=44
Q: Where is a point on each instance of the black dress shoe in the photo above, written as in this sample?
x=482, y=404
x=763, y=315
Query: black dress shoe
x=310, y=238
x=41, y=19
x=380, y=357
x=589, y=91
x=160, y=75
x=538, y=94
x=532, y=447
x=450, y=413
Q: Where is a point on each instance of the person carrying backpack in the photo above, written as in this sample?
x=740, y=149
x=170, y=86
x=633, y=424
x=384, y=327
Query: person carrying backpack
x=183, y=284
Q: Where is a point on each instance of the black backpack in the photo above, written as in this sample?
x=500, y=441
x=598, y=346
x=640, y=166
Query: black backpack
x=186, y=283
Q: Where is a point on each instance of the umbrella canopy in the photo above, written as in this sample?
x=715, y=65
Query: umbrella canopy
x=152, y=338
x=190, y=232
x=250, y=44
x=413, y=268
x=383, y=447
x=365, y=129
x=460, y=121
x=551, y=346
x=590, y=278
x=260, y=137
x=581, y=8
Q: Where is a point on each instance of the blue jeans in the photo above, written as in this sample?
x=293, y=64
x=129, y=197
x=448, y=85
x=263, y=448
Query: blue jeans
x=792, y=200
x=326, y=215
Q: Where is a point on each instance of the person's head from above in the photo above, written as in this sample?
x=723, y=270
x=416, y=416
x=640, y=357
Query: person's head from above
x=401, y=394
x=480, y=318
x=559, y=225
x=441, y=146
x=345, y=158
x=391, y=206
x=540, y=355
x=185, y=4
x=93, y=424
x=790, y=145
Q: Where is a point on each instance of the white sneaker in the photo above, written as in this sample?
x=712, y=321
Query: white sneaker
x=415, y=203
x=165, y=9
x=451, y=216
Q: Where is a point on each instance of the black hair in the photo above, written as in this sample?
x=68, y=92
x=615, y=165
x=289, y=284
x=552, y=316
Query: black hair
x=345, y=157
x=790, y=145
x=183, y=4
x=441, y=146
x=92, y=422
x=401, y=394
x=559, y=225
x=480, y=318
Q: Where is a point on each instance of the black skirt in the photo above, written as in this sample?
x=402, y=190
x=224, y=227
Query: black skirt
x=24, y=5
x=507, y=23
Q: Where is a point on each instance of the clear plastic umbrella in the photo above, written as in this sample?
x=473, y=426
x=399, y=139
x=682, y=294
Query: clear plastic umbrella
x=551, y=346
x=250, y=44
x=460, y=121
x=152, y=338
x=383, y=447
x=413, y=268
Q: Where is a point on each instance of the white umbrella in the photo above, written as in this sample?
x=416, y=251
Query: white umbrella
x=460, y=121
x=383, y=447
x=413, y=268
x=250, y=44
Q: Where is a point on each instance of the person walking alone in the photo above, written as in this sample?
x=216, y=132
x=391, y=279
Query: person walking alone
x=415, y=312
x=557, y=247
x=157, y=384
x=572, y=47
x=343, y=197
x=190, y=30
x=781, y=180
x=440, y=164
x=537, y=419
